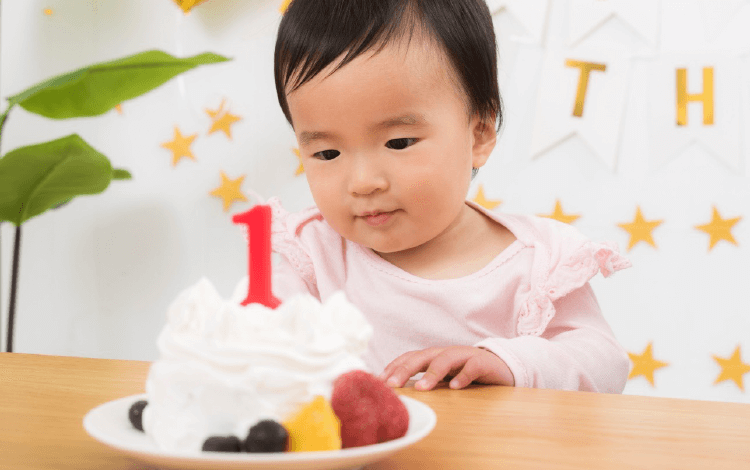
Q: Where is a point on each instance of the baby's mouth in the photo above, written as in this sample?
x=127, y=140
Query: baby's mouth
x=377, y=218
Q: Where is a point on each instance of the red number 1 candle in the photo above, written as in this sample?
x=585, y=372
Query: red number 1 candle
x=258, y=221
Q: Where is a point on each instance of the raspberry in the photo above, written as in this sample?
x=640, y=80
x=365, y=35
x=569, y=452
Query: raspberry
x=369, y=410
x=267, y=436
x=222, y=444
x=135, y=414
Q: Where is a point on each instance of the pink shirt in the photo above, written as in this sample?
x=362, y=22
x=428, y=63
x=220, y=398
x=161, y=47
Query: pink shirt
x=532, y=305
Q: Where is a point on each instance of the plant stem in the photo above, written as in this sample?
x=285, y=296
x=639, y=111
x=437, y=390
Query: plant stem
x=3, y=118
x=13, y=288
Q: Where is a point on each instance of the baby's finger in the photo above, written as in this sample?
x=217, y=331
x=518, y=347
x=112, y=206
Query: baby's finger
x=446, y=362
x=472, y=370
x=395, y=364
x=388, y=370
x=412, y=363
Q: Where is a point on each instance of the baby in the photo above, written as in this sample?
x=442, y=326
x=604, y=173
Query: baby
x=395, y=106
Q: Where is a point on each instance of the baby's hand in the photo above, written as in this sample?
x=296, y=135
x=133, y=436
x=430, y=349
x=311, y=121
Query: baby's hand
x=471, y=365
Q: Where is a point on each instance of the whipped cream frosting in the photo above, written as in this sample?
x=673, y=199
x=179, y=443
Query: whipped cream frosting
x=224, y=367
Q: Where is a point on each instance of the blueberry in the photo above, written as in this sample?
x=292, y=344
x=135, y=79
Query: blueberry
x=135, y=414
x=267, y=436
x=222, y=444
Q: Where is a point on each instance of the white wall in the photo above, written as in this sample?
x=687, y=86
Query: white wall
x=98, y=274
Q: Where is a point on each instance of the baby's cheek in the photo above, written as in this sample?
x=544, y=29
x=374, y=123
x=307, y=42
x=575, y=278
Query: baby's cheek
x=422, y=198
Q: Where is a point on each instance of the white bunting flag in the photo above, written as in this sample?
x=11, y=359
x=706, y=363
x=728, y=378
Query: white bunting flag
x=745, y=130
x=582, y=94
x=696, y=99
x=531, y=14
x=717, y=13
x=585, y=16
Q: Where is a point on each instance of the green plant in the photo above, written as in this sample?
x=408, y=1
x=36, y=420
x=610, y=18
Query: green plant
x=36, y=178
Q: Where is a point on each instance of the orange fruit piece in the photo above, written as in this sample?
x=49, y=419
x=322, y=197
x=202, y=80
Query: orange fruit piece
x=314, y=427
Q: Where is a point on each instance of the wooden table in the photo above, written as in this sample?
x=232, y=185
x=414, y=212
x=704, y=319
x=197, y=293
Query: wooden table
x=43, y=400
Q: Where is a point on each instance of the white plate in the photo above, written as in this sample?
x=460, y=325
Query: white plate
x=109, y=424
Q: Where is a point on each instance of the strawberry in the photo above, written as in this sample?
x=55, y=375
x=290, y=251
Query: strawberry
x=369, y=410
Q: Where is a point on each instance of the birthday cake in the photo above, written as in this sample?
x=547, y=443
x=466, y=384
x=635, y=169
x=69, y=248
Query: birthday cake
x=264, y=376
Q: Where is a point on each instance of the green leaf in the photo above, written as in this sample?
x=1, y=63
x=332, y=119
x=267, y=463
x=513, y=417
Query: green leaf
x=120, y=174
x=94, y=90
x=61, y=204
x=38, y=177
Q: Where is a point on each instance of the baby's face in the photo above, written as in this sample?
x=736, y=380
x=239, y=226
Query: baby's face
x=387, y=146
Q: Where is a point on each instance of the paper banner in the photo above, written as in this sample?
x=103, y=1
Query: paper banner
x=717, y=13
x=745, y=130
x=508, y=33
x=685, y=110
x=582, y=94
x=585, y=16
x=530, y=14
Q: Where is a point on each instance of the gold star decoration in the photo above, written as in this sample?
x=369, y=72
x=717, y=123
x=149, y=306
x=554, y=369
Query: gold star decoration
x=483, y=201
x=222, y=120
x=640, y=229
x=284, y=6
x=188, y=5
x=180, y=146
x=719, y=229
x=300, y=168
x=732, y=369
x=644, y=364
x=214, y=114
x=229, y=191
x=558, y=214
x=48, y=11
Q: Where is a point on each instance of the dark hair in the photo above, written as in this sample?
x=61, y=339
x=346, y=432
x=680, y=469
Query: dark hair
x=313, y=33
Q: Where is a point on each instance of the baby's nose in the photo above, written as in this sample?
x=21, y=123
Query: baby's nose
x=367, y=177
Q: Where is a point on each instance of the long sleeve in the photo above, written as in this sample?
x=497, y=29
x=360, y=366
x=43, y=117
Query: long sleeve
x=576, y=351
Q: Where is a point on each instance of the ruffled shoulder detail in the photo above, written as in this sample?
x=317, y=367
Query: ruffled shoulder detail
x=564, y=260
x=285, y=228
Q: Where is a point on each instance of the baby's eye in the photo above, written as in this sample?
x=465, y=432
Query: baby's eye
x=327, y=154
x=400, y=144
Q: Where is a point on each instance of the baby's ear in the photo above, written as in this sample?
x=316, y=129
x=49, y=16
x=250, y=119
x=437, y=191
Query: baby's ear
x=484, y=139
